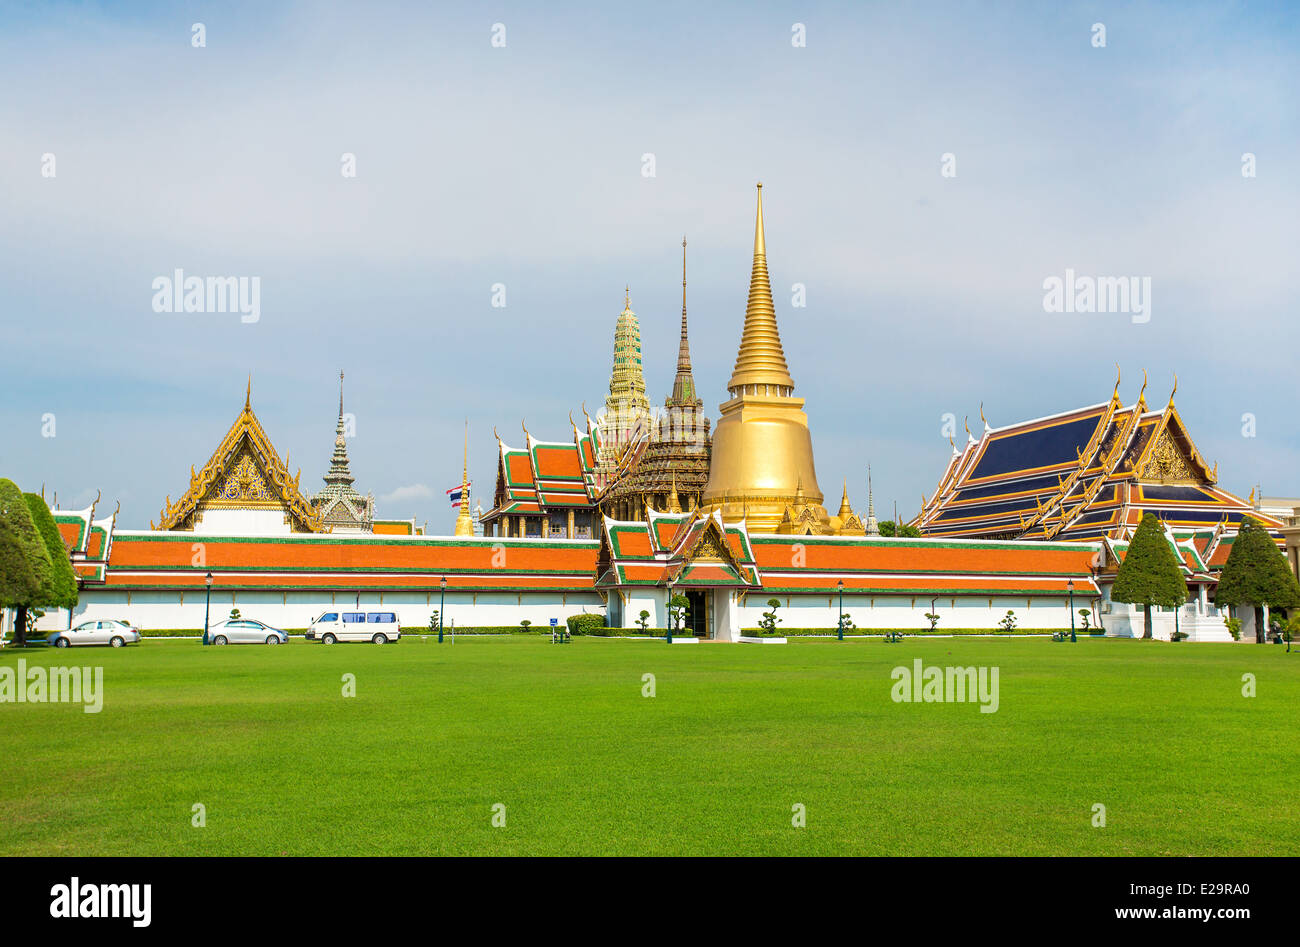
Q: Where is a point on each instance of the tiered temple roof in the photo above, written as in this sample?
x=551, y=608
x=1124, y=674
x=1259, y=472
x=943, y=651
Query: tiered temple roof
x=688, y=549
x=1083, y=474
x=545, y=477
x=89, y=540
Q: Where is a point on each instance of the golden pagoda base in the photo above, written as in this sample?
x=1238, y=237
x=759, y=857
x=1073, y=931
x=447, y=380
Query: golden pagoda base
x=762, y=463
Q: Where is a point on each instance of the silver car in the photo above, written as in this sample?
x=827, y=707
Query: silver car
x=245, y=631
x=112, y=632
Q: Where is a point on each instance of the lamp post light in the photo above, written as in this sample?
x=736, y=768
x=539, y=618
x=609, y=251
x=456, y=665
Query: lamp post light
x=207, y=605
x=442, y=607
x=1070, y=588
x=670, y=613
x=840, y=634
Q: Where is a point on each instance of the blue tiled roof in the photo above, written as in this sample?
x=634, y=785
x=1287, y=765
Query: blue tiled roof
x=1042, y=447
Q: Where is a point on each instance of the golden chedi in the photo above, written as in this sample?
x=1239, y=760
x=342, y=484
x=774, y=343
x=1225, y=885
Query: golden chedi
x=762, y=459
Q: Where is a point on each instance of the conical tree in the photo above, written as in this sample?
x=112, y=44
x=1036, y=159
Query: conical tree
x=24, y=561
x=1150, y=574
x=62, y=589
x=1256, y=574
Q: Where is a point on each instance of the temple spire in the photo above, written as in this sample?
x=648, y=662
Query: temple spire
x=464, y=520
x=684, y=349
x=340, y=472
x=684, y=383
x=761, y=360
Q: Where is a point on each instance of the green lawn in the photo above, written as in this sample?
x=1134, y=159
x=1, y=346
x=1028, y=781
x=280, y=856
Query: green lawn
x=584, y=764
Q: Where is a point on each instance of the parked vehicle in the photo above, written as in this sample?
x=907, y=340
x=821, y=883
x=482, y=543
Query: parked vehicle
x=112, y=632
x=378, y=627
x=245, y=631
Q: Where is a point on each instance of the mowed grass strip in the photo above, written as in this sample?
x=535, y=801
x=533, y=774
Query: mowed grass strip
x=736, y=735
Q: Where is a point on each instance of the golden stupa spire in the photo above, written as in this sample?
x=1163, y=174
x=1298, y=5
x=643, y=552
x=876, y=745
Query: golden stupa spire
x=761, y=360
x=464, y=521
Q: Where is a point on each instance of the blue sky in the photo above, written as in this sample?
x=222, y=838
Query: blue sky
x=522, y=165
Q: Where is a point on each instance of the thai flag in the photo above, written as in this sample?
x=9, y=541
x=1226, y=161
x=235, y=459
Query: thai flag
x=454, y=495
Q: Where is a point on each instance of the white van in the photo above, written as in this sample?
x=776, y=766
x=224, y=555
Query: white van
x=379, y=627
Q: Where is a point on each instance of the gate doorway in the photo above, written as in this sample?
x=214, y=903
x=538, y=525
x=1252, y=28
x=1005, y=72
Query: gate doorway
x=697, y=614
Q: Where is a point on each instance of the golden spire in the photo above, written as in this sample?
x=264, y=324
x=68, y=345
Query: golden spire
x=845, y=510
x=1142, y=395
x=761, y=360
x=1118, y=376
x=1175, y=391
x=248, y=392
x=465, y=522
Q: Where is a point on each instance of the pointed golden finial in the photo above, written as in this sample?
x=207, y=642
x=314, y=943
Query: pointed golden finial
x=845, y=510
x=674, y=502
x=248, y=392
x=1251, y=498
x=627, y=298
x=1115, y=395
x=1175, y=391
x=982, y=418
x=527, y=436
x=966, y=421
x=953, y=444
x=1142, y=400
x=761, y=359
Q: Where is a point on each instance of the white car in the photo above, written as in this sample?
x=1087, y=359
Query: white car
x=112, y=632
x=245, y=631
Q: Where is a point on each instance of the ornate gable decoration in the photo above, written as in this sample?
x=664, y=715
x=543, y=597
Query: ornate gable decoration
x=244, y=473
x=1172, y=457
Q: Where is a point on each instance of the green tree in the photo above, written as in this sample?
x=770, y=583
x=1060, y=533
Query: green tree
x=1256, y=574
x=1150, y=574
x=644, y=620
x=888, y=528
x=678, y=606
x=26, y=573
x=769, y=619
x=63, y=585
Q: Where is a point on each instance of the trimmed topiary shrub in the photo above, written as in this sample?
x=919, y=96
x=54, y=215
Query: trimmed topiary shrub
x=585, y=623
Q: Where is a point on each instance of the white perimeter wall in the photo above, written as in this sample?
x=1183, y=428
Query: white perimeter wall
x=297, y=609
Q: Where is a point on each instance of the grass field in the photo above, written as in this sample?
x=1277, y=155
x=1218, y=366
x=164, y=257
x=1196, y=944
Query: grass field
x=584, y=764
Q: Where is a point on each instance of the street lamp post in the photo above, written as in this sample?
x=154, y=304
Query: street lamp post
x=207, y=605
x=840, y=634
x=1070, y=588
x=670, y=613
x=442, y=607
